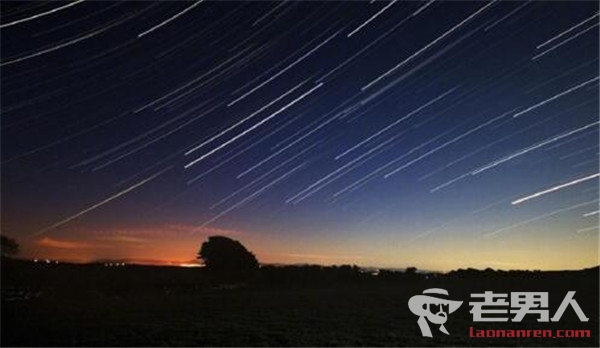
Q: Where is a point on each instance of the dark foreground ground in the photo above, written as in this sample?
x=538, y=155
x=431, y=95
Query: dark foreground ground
x=75, y=305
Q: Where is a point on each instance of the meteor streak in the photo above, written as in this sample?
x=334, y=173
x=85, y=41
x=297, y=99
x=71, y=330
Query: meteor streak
x=588, y=229
x=556, y=188
x=411, y=57
x=98, y=205
x=449, y=142
x=62, y=45
x=407, y=116
x=211, y=139
x=253, y=195
x=274, y=169
x=566, y=31
x=422, y=8
x=297, y=61
x=564, y=42
x=555, y=97
x=371, y=19
x=170, y=19
x=307, y=191
x=39, y=15
x=541, y=217
x=253, y=127
x=531, y=148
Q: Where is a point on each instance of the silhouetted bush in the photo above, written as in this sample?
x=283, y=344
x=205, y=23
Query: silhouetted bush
x=227, y=260
x=10, y=247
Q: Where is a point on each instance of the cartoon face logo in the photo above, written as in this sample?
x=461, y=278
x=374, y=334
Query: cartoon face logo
x=434, y=309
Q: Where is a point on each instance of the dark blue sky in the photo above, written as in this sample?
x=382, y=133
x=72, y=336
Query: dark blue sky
x=375, y=133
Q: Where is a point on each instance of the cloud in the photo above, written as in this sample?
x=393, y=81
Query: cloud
x=124, y=239
x=147, y=234
x=203, y=230
x=62, y=244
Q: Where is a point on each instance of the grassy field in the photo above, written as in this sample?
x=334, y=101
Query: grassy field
x=160, y=306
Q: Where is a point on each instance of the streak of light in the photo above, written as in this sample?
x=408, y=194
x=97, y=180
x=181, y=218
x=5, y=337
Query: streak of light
x=506, y=16
x=371, y=19
x=449, y=142
x=268, y=13
x=279, y=73
x=596, y=212
x=279, y=63
x=211, y=139
x=362, y=50
x=588, y=229
x=574, y=88
x=559, y=76
x=474, y=152
x=566, y=31
x=253, y=195
x=432, y=230
x=533, y=147
x=441, y=37
x=588, y=162
x=253, y=127
x=541, y=217
x=78, y=20
x=170, y=19
x=578, y=152
x=573, y=139
x=39, y=15
x=386, y=128
x=278, y=152
x=108, y=200
x=417, y=68
x=189, y=83
x=449, y=182
x=146, y=134
x=564, y=42
x=555, y=188
x=362, y=181
x=253, y=182
x=420, y=9
x=66, y=43
x=66, y=138
x=241, y=152
x=157, y=138
x=228, y=70
x=305, y=193
x=313, y=129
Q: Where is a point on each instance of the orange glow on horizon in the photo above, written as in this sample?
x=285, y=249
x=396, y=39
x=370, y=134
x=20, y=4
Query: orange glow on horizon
x=178, y=245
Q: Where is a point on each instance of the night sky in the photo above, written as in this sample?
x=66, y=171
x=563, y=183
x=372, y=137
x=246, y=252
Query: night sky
x=431, y=134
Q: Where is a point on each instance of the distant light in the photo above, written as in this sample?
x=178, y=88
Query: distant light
x=190, y=265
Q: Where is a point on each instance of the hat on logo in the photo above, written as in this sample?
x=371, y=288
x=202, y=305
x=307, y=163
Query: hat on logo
x=416, y=302
x=436, y=291
x=420, y=305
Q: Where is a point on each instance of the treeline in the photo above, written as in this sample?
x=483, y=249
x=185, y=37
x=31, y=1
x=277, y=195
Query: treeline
x=75, y=280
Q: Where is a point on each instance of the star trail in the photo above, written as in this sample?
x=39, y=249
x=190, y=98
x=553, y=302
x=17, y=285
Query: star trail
x=439, y=134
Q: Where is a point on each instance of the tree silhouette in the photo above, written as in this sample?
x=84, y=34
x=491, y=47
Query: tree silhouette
x=227, y=259
x=410, y=271
x=10, y=247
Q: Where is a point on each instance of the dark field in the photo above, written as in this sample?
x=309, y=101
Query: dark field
x=77, y=305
